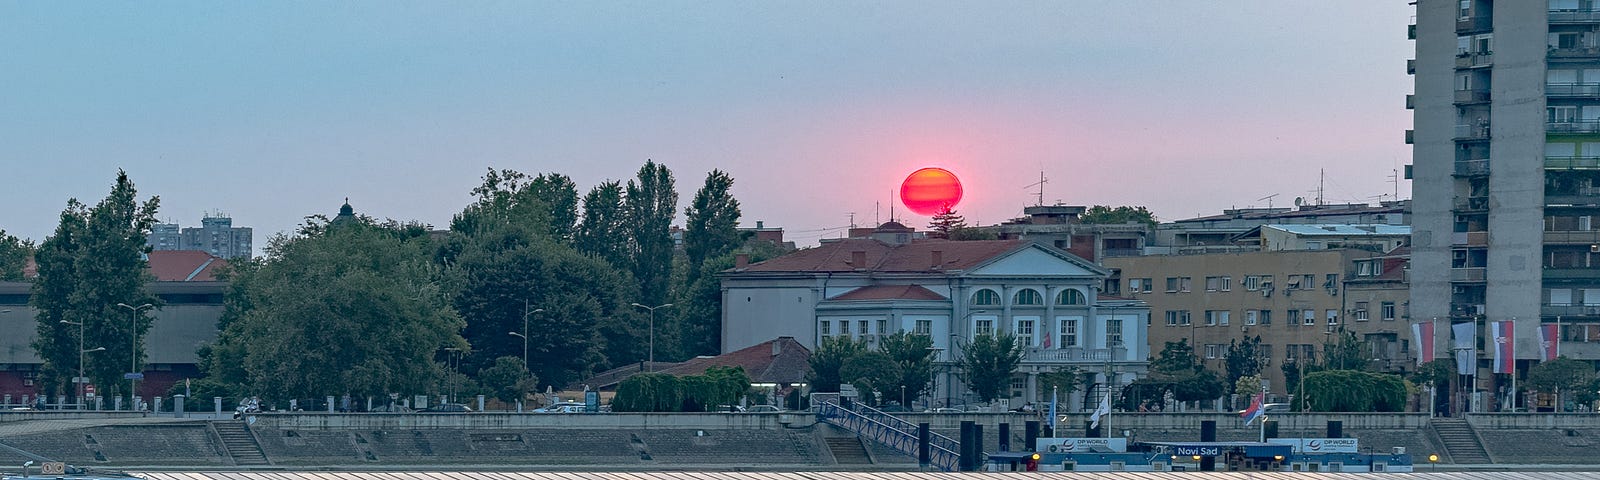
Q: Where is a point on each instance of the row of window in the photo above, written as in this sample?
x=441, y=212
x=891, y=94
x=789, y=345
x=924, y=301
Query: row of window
x=1224, y=283
x=1028, y=296
x=1067, y=331
x=1215, y=318
x=863, y=328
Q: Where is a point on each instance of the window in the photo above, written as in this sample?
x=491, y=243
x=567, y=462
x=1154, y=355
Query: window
x=1292, y=283
x=1250, y=317
x=1223, y=316
x=1025, y=332
x=861, y=328
x=1465, y=9
x=986, y=297
x=1266, y=317
x=825, y=329
x=1561, y=114
x=1183, y=284
x=1172, y=318
x=1149, y=285
x=924, y=328
x=1172, y=284
x=1070, y=296
x=1332, y=280
x=1308, y=281
x=983, y=326
x=1183, y=318
x=1114, y=332
x=1311, y=317
x=1028, y=296
x=1069, y=333
x=883, y=326
x=1217, y=317
x=1294, y=314
x=1333, y=316
x=1211, y=318
x=1226, y=283
x=1361, y=311
x=1366, y=268
x=1135, y=285
x=1387, y=311
x=1213, y=351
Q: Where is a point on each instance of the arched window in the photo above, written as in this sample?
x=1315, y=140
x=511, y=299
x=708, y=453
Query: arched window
x=1070, y=296
x=1028, y=296
x=986, y=297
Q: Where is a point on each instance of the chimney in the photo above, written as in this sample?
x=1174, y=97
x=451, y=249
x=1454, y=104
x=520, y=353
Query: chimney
x=858, y=259
x=777, y=347
x=741, y=260
x=938, y=259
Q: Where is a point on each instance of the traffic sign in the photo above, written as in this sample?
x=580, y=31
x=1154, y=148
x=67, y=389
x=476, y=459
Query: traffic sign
x=133, y=376
x=53, y=468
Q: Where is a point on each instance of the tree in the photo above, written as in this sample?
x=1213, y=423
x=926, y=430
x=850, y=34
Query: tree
x=1562, y=376
x=988, y=362
x=711, y=222
x=504, y=197
x=1178, y=371
x=14, y=255
x=699, y=306
x=1345, y=353
x=913, y=354
x=965, y=234
x=1244, y=359
x=825, y=363
x=94, y=261
x=650, y=204
x=874, y=374
x=1248, y=385
x=1064, y=380
x=1437, y=372
x=1100, y=214
x=604, y=232
x=508, y=379
x=1353, y=391
x=355, y=308
x=560, y=196
x=945, y=223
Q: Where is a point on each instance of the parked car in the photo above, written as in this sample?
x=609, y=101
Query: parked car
x=730, y=409
x=763, y=409
x=447, y=408
x=396, y=408
x=947, y=410
x=563, y=407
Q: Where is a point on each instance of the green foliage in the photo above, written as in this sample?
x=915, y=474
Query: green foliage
x=508, y=380
x=1244, y=359
x=94, y=261
x=504, y=197
x=649, y=206
x=1177, y=370
x=1439, y=372
x=945, y=223
x=875, y=375
x=201, y=394
x=14, y=254
x=825, y=363
x=660, y=392
x=988, y=362
x=604, y=233
x=1101, y=214
x=356, y=308
x=1247, y=385
x=1561, y=375
x=699, y=305
x=1345, y=353
x=1353, y=391
x=913, y=357
x=973, y=233
x=711, y=222
x=560, y=196
x=1064, y=379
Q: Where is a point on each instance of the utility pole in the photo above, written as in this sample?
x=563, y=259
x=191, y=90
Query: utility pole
x=651, y=361
x=133, y=357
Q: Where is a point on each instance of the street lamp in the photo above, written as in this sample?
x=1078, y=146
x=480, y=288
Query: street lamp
x=651, y=361
x=133, y=357
x=524, y=347
x=80, y=380
x=525, y=314
x=935, y=351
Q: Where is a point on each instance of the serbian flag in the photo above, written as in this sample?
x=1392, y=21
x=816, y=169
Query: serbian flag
x=1422, y=335
x=1255, y=411
x=1505, y=341
x=1549, y=341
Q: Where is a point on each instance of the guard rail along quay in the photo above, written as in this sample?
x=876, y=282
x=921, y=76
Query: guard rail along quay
x=892, y=432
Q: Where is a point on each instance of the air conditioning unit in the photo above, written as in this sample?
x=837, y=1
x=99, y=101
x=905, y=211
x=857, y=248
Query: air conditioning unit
x=1398, y=450
x=1477, y=309
x=1458, y=289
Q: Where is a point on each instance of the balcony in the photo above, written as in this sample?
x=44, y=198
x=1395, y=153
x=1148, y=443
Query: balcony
x=1472, y=96
x=1572, y=163
x=1571, y=273
x=1467, y=275
x=1472, y=168
x=1579, y=237
x=1551, y=310
x=1470, y=239
x=1586, y=126
x=1465, y=310
x=1471, y=204
x=1475, y=60
x=1121, y=252
x=1578, y=196
x=1578, y=52
x=1473, y=24
x=1472, y=132
x=1074, y=355
x=1569, y=90
x=1561, y=17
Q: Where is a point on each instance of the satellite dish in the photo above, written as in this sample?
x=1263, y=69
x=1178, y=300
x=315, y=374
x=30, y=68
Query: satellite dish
x=1299, y=201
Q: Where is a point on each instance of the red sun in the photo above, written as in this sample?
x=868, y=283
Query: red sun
x=929, y=190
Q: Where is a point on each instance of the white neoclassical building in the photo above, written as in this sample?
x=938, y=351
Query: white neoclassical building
x=867, y=287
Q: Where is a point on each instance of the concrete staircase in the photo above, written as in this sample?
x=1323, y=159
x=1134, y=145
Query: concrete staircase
x=240, y=443
x=848, y=451
x=1461, y=441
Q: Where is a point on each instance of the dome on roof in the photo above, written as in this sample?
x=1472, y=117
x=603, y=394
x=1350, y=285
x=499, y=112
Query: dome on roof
x=893, y=226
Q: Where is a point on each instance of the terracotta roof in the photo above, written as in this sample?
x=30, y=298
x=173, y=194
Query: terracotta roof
x=184, y=265
x=917, y=256
x=890, y=292
x=788, y=366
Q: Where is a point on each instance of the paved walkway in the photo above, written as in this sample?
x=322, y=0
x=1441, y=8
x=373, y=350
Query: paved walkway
x=12, y=429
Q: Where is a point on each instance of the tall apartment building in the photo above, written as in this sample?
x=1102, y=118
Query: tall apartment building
x=216, y=235
x=1507, y=168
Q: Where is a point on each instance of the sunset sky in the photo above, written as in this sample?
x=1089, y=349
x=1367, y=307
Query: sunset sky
x=271, y=111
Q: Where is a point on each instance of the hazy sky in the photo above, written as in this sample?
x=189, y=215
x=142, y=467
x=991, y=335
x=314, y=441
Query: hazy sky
x=271, y=111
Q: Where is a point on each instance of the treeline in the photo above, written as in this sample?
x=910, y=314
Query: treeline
x=530, y=270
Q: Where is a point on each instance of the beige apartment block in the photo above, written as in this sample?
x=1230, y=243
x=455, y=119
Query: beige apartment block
x=1296, y=301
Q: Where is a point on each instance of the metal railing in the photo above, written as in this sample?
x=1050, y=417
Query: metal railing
x=1472, y=167
x=1586, y=126
x=1472, y=96
x=1466, y=60
x=1073, y=354
x=1474, y=23
x=1572, y=163
x=1574, y=16
x=891, y=432
x=1470, y=274
x=1568, y=52
x=1469, y=132
x=1572, y=89
x=1572, y=237
x=1471, y=203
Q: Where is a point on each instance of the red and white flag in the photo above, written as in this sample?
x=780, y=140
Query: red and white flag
x=1422, y=336
x=1505, y=341
x=1549, y=341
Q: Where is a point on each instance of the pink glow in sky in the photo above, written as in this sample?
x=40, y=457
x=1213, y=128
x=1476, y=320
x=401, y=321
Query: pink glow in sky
x=272, y=111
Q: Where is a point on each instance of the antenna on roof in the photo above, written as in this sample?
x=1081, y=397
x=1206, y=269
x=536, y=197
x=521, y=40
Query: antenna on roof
x=852, y=219
x=1268, y=198
x=891, y=205
x=1394, y=178
x=1039, y=184
x=1322, y=178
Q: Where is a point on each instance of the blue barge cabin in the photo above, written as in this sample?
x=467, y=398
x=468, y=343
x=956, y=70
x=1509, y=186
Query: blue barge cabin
x=1275, y=455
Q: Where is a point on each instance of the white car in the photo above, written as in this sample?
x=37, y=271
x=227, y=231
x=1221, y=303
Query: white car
x=563, y=407
x=763, y=409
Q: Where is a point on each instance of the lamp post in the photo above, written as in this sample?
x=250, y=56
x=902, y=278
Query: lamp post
x=525, y=314
x=80, y=380
x=133, y=357
x=651, y=361
x=934, y=377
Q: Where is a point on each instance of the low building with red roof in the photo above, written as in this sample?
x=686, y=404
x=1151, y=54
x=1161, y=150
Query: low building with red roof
x=891, y=280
